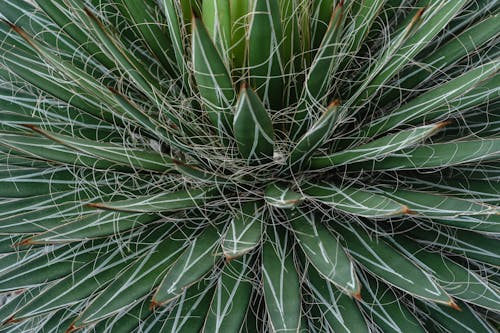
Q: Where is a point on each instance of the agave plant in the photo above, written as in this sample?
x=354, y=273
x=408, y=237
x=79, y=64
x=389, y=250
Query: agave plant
x=249, y=166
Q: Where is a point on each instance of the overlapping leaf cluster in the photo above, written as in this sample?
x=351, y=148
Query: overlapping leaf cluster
x=249, y=166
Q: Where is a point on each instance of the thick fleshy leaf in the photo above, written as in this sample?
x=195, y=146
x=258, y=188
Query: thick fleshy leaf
x=231, y=298
x=18, y=182
x=135, y=282
x=429, y=101
x=252, y=127
x=385, y=309
x=429, y=204
x=194, y=262
x=53, y=265
x=77, y=286
x=391, y=265
x=281, y=196
x=216, y=15
x=212, y=78
x=324, y=251
x=458, y=47
x=464, y=320
x=264, y=37
x=244, y=231
x=459, y=281
x=377, y=148
x=45, y=149
x=162, y=202
x=339, y=311
x=188, y=313
x=95, y=225
x=313, y=138
x=140, y=159
x=174, y=19
x=436, y=155
x=319, y=78
x=355, y=200
x=403, y=47
x=470, y=245
x=281, y=282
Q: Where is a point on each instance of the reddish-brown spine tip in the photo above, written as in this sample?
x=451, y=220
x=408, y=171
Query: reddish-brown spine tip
x=335, y=102
x=454, y=306
x=154, y=304
x=24, y=242
x=95, y=205
x=70, y=329
x=443, y=124
x=11, y=320
x=408, y=211
x=357, y=296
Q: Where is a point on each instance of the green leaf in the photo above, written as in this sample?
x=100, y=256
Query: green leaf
x=239, y=22
x=162, y=202
x=457, y=48
x=95, y=225
x=391, y=265
x=438, y=97
x=319, y=77
x=194, y=262
x=377, y=148
x=253, y=128
x=45, y=149
x=324, y=251
x=231, y=298
x=281, y=283
x=174, y=23
x=78, y=285
x=465, y=320
x=467, y=244
x=53, y=265
x=281, y=196
x=212, y=78
x=186, y=316
x=244, y=231
x=386, y=310
x=437, y=155
x=459, y=281
x=61, y=16
x=355, y=200
x=135, y=158
x=136, y=281
x=216, y=15
x=428, y=204
x=405, y=46
x=313, y=138
x=339, y=311
x=151, y=32
x=18, y=182
x=264, y=37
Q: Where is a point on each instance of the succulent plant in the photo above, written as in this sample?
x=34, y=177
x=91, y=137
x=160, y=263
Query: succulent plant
x=249, y=166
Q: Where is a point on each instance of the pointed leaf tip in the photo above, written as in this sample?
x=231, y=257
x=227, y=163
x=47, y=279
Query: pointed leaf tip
x=454, y=305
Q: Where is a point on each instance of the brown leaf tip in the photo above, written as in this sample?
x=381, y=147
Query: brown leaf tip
x=24, y=242
x=454, y=305
x=335, y=102
x=443, y=124
x=407, y=211
x=70, y=329
x=11, y=320
x=154, y=304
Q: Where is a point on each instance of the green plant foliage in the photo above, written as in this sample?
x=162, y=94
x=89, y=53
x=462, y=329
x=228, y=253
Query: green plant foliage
x=242, y=166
